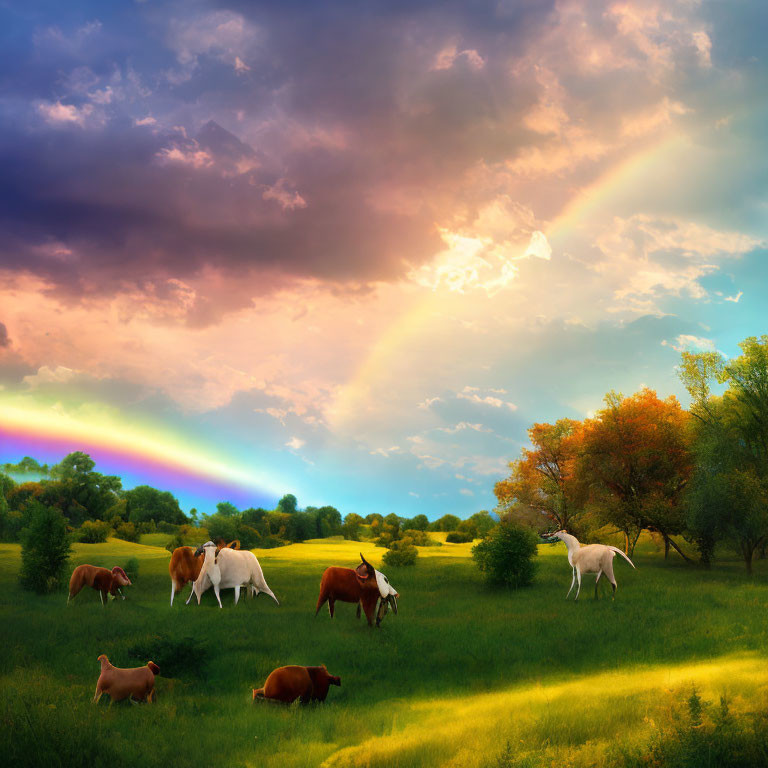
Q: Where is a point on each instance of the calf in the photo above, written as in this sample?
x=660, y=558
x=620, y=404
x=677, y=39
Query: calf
x=185, y=566
x=287, y=684
x=106, y=582
x=136, y=683
x=363, y=585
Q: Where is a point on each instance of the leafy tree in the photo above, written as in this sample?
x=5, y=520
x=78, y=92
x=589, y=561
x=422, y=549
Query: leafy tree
x=730, y=488
x=459, y=537
x=351, y=527
x=288, y=504
x=401, y=553
x=445, y=523
x=418, y=523
x=482, y=523
x=328, y=522
x=545, y=479
x=145, y=503
x=94, y=532
x=227, y=508
x=27, y=466
x=45, y=549
x=374, y=517
x=127, y=532
x=636, y=460
x=505, y=555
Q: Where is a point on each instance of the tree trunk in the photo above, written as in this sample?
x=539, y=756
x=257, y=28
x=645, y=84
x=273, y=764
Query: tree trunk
x=680, y=552
x=748, y=550
x=666, y=546
x=626, y=542
x=631, y=544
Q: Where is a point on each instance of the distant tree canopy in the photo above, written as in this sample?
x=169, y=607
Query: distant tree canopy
x=144, y=503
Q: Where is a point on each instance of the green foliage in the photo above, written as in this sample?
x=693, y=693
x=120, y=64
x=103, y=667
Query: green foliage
x=445, y=523
x=45, y=549
x=27, y=466
x=697, y=734
x=131, y=568
x=352, y=526
x=145, y=503
x=417, y=523
x=93, y=532
x=418, y=537
x=459, y=537
x=288, y=504
x=506, y=555
x=401, y=553
x=127, y=532
x=176, y=656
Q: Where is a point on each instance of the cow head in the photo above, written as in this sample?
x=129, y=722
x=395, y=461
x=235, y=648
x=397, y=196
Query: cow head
x=120, y=576
x=365, y=570
x=389, y=595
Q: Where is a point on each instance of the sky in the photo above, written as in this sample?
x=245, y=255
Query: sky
x=353, y=250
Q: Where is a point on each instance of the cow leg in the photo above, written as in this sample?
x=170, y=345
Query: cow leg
x=322, y=597
x=358, y=609
x=331, y=606
x=599, y=574
x=101, y=595
x=578, y=576
x=251, y=591
x=173, y=591
x=218, y=596
x=237, y=593
x=370, y=610
x=573, y=581
x=97, y=695
x=191, y=593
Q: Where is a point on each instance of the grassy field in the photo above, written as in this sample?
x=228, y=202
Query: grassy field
x=458, y=674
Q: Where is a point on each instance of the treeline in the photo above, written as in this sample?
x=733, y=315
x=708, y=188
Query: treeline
x=95, y=506
x=646, y=464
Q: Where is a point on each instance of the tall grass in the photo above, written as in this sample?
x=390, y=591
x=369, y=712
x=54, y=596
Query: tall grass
x=461, y=670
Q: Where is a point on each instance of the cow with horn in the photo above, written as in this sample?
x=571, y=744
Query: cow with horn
x=363, y=585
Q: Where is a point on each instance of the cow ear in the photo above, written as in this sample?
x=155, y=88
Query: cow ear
x=365, y=570
x=234, y=544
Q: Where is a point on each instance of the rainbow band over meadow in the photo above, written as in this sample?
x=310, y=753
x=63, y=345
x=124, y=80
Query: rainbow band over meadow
x=135, y=450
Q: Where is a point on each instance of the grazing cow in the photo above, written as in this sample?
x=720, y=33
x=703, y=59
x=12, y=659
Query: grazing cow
x=136, y=683
x=592, y=558
x=105, y=581
x=287, y=684
x=185, y=566
x=227, y=568
x=363, y=585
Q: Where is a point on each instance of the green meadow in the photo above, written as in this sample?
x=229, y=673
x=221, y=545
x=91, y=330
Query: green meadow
x=462, y=676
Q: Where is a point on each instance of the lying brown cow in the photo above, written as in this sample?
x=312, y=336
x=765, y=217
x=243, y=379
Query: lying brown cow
x=136, y=683
x=287, y=684
x=363, y=585
x=105, y=581
x=185, y=566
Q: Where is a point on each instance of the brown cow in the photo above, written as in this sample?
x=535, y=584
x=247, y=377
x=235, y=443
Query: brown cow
x=136, y=683
x=105, y=581
x=364, y=585
x=287, y=684
x=185, y=566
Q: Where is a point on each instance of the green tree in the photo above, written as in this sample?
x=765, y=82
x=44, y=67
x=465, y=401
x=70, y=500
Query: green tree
x=351, y=528
x=401, y=553
x=227, y=508
x=45, y=548
x=145, y=503
x=417, y=523
x=80, y=492
x=446, y=523
x=730, y=485
x=288, y=504
x=505, y=555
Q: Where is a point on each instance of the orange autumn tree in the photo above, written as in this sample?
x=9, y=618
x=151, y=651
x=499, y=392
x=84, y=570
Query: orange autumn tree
x=636, y=460
x=542, y=487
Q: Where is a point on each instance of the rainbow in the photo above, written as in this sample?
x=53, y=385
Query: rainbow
x=135, y=449
x=589, y=202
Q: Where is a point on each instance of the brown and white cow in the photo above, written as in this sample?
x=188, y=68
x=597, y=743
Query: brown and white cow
x=105, y=581
x=185, y=566
x=289, y=683
x=363, y=585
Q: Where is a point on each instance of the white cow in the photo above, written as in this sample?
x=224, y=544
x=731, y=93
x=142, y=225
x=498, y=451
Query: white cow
x=227, y=568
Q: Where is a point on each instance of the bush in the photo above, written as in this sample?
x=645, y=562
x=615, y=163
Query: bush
x=131, y=568
x=93, y=532
x=45, y=549
x=401, y=552
x=176, y=656
x=127, y=532
x=505, y=556
x=418, y=537
x=458, y=537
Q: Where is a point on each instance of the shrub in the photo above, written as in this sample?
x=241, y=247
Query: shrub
x=93, y=532
x=401, y=552
x=418, y=537
x=506, y=554
x=45, y=549
x=127, y=532
x=131, y=568
x=458, y=537
x=176, y=656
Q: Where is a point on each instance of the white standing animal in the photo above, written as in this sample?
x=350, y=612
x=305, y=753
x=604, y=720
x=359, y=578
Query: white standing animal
x=592, y=558
x=227, y=568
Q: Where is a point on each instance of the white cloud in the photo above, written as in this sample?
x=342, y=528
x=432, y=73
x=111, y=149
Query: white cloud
x=466, y=492
x=688, y=342
x=295, y=443
x=735, y=299
x=56, y=113
x=463, y=425
x=470, y=393
x=46, y=375
x=385, y=452
x=425, y=405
